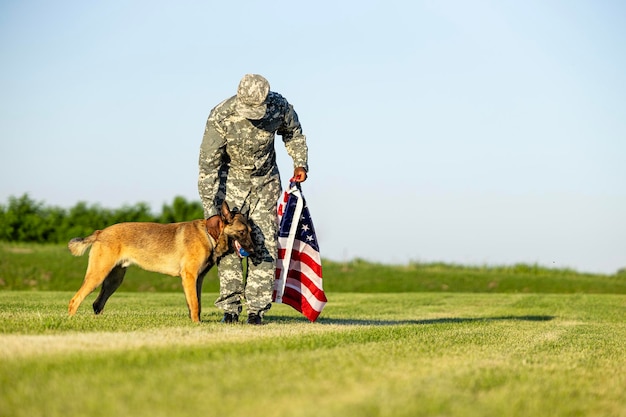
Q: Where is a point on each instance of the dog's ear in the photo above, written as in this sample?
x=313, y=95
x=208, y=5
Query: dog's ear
x=226, y=214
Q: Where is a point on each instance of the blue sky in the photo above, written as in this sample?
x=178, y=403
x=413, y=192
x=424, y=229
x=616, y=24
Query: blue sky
x=473, y=132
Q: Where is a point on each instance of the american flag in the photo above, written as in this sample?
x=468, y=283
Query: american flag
x=299, y=267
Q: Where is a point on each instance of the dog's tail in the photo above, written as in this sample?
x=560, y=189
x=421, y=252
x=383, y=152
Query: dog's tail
x=79, y=245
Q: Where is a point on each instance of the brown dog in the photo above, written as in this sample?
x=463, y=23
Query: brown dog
x=183, y=249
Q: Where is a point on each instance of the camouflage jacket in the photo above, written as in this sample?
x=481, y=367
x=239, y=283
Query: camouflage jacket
x=245, y=148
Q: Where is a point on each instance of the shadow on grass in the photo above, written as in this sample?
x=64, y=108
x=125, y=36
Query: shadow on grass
x=443, y=320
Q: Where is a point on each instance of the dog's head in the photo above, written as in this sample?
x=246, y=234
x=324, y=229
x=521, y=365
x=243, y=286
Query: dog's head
x=236, y=229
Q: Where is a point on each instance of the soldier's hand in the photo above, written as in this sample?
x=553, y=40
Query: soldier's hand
x=299, y=174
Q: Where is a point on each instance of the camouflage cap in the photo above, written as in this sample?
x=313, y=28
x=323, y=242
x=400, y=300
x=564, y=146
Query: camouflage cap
x=251, y=94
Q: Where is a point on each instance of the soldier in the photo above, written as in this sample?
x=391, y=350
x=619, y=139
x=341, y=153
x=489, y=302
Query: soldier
x=238, y=164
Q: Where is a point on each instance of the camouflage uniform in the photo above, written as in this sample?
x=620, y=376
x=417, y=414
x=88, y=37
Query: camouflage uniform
x=238, y=163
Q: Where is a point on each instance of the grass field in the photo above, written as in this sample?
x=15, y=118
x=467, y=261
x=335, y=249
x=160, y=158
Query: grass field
x=413, y=340
x=52, y=268
x=379, y=354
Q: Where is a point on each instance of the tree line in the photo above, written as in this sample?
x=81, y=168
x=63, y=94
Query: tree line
x=25, y=220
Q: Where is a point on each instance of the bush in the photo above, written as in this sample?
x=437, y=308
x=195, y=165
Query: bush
x=26, y=220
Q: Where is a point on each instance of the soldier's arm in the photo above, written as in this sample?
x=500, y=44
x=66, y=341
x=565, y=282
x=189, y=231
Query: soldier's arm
x=212, y=150
x=295, y=141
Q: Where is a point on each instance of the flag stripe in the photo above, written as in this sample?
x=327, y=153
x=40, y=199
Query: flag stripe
x=296, y=276
x=300, y=246
x=312, y=278
x=308, y=281
x=296, y=300
x=306, y=294
x=303, y=263
x=314, y=302
x=305, y=258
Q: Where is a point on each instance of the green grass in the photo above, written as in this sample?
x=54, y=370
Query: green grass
x=414, y=340
x=52, y=268
x=385, y=354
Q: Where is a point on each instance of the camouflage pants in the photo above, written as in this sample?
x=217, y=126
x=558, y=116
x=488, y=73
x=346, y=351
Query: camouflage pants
x=259, y=195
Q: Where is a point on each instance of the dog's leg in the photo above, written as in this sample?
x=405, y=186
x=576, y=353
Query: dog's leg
x=111, y=283
x=199, y=294
x=199, y=282
x=190, y=287
x=100, y=264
